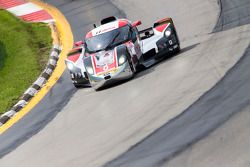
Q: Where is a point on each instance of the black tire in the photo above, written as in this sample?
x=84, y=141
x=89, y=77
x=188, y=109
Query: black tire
x=77, y=86
x=132, y=69
x=140, y=68
x=178, y=49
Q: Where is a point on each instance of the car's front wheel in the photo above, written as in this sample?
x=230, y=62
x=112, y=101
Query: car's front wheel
x=132, y=68
x=77, y=86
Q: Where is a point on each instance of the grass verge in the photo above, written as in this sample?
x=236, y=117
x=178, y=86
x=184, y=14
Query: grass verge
x=24, y=52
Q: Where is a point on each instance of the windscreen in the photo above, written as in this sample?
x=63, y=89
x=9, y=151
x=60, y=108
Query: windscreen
x=107, y=40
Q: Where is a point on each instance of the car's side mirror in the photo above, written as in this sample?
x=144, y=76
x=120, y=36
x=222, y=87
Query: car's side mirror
x=136, y=23
x=79, y=43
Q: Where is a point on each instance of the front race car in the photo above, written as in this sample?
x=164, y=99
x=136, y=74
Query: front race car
x=107, y=58
x=115, y=50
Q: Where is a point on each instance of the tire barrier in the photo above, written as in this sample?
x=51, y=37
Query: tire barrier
x=35, y=87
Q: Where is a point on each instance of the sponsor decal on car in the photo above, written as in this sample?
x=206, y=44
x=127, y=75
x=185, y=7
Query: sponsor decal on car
x=104, y=62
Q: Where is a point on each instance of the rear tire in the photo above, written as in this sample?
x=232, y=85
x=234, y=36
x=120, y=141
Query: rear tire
x=178, y=49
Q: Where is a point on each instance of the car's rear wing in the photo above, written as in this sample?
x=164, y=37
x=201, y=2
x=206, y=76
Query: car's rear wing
x=149, y=32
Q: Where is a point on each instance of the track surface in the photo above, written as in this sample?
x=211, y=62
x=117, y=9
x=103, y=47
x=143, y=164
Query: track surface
x=230, y=144
x=96, y=127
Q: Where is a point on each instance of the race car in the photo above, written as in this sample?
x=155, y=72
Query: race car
x=115, y=50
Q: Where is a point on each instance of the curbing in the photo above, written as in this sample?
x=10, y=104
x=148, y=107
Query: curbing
x=63, y=43
x=36, y=86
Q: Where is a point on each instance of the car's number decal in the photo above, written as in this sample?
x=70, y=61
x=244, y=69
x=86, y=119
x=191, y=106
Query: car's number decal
x=106, y=67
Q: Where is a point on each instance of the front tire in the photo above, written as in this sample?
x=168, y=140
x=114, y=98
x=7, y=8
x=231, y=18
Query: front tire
x=132, y=69
x=77, y=86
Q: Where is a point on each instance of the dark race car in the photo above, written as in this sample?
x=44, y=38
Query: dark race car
x=114, y=51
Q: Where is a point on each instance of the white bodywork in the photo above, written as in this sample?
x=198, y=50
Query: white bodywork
x=79, y=62
x=150, y=43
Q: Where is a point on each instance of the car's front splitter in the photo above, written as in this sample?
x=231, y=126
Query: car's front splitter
x=123, y=72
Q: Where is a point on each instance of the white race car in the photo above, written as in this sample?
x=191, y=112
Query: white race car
x=114, y=50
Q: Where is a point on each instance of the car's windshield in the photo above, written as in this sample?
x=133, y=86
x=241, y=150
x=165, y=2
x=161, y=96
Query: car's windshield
x=108, y=39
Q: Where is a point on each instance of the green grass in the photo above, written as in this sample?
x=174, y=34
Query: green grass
x=24, y=52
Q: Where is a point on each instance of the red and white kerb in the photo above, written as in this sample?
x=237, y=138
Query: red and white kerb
x=26, y=11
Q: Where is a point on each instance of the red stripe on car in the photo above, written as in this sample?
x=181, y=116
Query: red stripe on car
x=74, y=58
x=122, y=23
x=162, y=20
x=89, y=35
x=161, y=27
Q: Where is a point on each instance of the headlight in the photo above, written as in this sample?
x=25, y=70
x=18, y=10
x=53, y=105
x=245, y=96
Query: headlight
x=168, y=32
x=70, y=66
x=122, y=59
x=90, y=70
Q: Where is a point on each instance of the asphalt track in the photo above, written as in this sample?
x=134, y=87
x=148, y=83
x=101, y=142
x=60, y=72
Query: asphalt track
x=96, y=127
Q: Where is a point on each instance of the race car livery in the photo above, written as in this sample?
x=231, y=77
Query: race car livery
x=115, y=50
